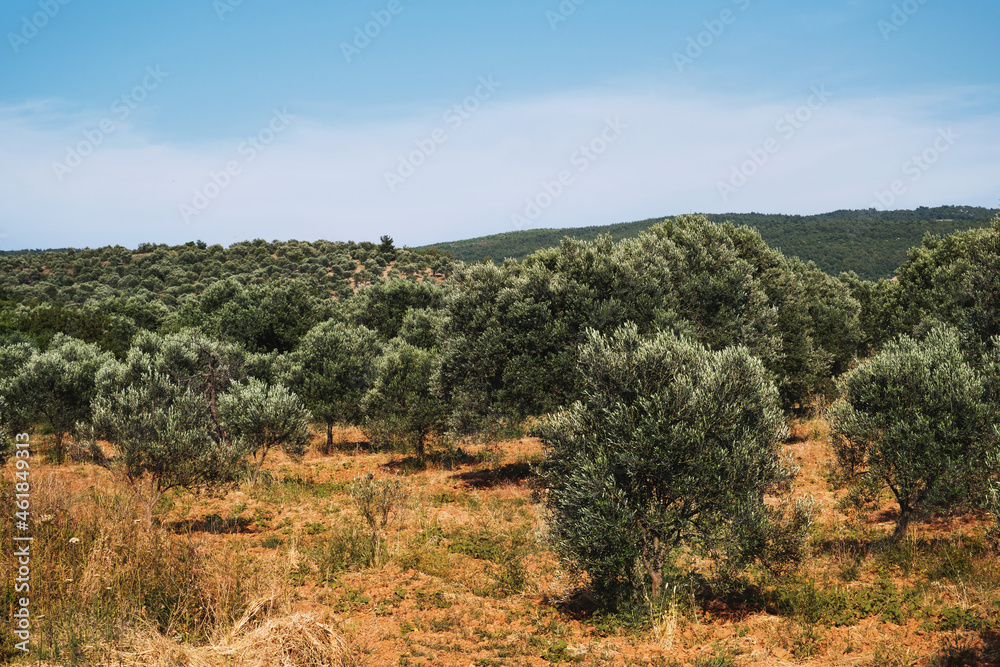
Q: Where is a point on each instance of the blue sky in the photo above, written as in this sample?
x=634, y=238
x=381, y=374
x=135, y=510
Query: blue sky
x=222, y=120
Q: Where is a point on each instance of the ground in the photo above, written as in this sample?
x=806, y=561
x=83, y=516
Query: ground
x=284, y=573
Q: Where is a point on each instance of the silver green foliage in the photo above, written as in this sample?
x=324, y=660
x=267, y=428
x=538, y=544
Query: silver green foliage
x=917, y=419
x=54, y=387
x=672, y=447
x=258, y=417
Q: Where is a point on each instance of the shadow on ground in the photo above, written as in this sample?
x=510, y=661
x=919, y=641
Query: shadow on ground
x=509, y=473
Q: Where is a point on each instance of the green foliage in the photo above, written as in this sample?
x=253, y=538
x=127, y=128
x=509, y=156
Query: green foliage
x=54, y=387
x=332, y=371
x=671, y=446
x=802, y=599
x=7, y=447
x=507, y=552
x=914, y=419
x=383, y=305
x=159, y=410
x=954, y=280
x=511, y=337
x=881, y=316
x=106, y=295
x=401, y=411
x=261, y=318
x=868, y=242
x=258, y=416
x=386, y=246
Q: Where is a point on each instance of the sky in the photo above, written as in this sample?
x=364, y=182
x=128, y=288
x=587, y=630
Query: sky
x=167, y=121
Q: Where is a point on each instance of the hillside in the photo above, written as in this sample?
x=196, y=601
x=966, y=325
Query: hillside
x=871, y=243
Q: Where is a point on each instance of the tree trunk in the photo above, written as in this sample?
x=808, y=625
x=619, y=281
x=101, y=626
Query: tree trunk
x=654, y=567
x=60, y=453
x=260, y=464
x=905, y=514
x=329, y=438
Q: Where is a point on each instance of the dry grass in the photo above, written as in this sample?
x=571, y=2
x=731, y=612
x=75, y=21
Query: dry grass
x=274, y=575
x=282, y=640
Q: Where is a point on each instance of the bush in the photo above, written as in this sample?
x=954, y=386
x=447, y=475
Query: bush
x=672, y=447
x=915, y=420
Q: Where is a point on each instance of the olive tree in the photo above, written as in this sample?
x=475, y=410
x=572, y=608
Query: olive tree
x=400, y=408
x=258, y=416
x=671, y=446
x=954, y=279
x=331, y=371
x=916, y=419
x=159, y=410
x=163, y=439
x=54, y=387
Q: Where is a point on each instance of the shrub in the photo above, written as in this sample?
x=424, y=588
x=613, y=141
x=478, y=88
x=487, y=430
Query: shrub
x=673, y=446
x=377, y=500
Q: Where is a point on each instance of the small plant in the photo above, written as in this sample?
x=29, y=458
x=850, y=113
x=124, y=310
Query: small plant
x=313, y=528
x=377, y=500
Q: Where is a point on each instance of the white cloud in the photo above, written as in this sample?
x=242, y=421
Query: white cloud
x=318, y=180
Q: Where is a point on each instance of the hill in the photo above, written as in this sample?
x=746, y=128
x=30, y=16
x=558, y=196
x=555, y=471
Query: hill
x=871, y=243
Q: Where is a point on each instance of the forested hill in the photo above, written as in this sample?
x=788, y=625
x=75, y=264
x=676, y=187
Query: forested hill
x=869, y=242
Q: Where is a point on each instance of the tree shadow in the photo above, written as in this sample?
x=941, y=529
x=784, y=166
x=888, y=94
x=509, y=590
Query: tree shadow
x=345, y=447
x=445, y=460
x=579, y=604
x=856, y=547
x=991, y=647
x=509, y=473
x=214, y=524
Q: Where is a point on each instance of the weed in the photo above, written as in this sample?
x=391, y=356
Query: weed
x=444, y=624
x=98, y=567
x=804, y=601
x=351, y=599
x=957, y=618
x=437, y=600
x=313, y=528
x=507, y=552
x=557, y=651
x=890, y=656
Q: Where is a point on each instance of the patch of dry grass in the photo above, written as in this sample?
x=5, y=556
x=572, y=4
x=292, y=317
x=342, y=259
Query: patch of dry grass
x=265, y=636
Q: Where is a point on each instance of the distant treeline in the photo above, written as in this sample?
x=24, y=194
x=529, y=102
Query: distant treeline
x=869, y=242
